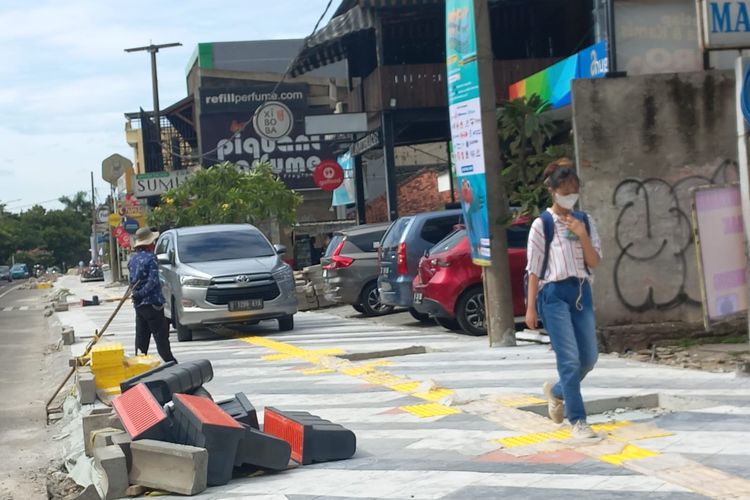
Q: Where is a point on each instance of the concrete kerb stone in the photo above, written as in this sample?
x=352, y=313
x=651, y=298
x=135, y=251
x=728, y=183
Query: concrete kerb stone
x=123, y=441
x=86, y=384
x=68, y=334
x=105, y=437
x=96, y=421
x=89, y=493
x=171, y=467
x=110, y=460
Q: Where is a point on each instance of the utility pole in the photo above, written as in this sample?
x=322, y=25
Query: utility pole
x=498, y=301
x=94, y=243
x=153, y=49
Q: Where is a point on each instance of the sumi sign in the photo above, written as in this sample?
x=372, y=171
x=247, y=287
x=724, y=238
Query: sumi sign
x=273, y=120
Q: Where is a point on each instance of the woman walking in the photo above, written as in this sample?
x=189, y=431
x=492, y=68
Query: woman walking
x=563, y=249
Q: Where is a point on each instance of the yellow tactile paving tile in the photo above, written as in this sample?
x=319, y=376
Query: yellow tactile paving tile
x=430, y=410
x=518, y=400
x=629, y=453
x=435, y=394
x=407, y=387
x=316, y=371
x=560, y=435
x=365, y=368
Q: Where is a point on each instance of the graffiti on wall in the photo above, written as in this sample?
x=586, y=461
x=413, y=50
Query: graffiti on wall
x=655, y=269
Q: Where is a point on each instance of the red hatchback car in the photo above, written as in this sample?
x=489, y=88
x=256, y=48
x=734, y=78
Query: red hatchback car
x=448, y=285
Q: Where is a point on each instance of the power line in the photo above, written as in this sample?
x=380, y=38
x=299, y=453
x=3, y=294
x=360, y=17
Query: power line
x=177, y=154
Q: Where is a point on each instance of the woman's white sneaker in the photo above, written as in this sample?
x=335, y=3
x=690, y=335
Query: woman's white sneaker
x=582, y=430
x=555, y=407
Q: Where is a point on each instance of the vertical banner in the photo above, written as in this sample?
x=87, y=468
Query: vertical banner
x=466, y=123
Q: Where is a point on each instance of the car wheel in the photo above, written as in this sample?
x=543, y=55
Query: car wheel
x=184, y=334
x=286, y=323
x=371, y=304
x=449, y=324
x=470, y=312
x=358, y=308
x=421, y=317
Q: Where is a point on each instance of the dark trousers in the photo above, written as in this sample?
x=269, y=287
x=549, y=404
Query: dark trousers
x=151, y=321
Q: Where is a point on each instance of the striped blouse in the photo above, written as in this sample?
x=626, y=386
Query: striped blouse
x=565, y=255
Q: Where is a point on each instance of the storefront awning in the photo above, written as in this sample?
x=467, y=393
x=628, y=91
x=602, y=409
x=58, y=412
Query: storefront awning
x=326, y=46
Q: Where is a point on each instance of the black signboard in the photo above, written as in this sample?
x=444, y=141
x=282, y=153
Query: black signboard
x=294, y=157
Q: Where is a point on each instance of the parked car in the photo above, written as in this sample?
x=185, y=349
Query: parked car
x=448, y=286
x=92, y=273
x=19, y=271
x=350, y=269
x=5, y=274
x=403, y=244
x=221, y=274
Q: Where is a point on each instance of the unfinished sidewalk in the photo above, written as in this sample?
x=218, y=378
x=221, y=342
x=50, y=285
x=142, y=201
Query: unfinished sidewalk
x=461, y=420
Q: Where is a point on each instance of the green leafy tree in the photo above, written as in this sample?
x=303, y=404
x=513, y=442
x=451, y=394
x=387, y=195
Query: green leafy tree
x=224, y=194
x=526, y=137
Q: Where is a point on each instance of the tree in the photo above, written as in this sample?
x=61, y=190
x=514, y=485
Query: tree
x=527, y=136
x=224, y=194
x=78, y=203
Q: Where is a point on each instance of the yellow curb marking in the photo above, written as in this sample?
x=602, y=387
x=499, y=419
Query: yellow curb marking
x=630, y=452
x=367, y=372
x=561, y=435
x=430, y=410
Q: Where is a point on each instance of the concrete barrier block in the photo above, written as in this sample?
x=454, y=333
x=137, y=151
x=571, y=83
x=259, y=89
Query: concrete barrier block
x=142, y=416
x=97, y=421
x=262, y=450
x=89, y=493
x=110, y=460
x=171, y=467
x=68, y=335
x=200, y=422
x=61, y=307
x=86, y=385
x=104, y=437
x=123, y=441
x=311, y=438
x=172, y=378
x=241, y=410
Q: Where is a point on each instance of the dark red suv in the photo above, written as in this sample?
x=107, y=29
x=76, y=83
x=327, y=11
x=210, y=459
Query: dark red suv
x=448, y=285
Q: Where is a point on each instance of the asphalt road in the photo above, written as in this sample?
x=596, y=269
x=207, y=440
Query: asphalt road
x=24, y=384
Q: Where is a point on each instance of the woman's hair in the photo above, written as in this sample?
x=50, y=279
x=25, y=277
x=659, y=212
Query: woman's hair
x=560, y=172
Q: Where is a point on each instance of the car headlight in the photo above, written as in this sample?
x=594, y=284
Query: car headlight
x=283, y=273
x=194, y=281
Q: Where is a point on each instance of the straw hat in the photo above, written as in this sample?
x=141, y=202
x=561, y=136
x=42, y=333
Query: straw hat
x=144, y=237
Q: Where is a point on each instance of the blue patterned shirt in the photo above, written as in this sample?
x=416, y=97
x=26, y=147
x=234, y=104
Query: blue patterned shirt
x=144, y=269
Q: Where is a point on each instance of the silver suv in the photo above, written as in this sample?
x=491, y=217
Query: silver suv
x=221, y=274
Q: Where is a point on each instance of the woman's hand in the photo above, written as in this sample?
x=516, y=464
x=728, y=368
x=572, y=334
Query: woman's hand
x=532, y=320
x=575, y=226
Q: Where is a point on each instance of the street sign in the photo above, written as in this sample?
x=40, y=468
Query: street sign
x=114, y=220
x=328, y=175
x=102, y=214
x=273, y=120
x=368, y=142
x=157, y=183
x=131, y=226
x=113, y=167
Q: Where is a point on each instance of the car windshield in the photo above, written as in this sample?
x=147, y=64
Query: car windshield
x=18, y=267
x=449, y=242
x=223, y=245
x=393, y=234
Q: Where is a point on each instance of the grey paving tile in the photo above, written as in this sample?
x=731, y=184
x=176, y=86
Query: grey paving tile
x=526, y=493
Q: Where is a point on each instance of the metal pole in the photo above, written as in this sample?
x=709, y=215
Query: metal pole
x=114, y=261
x=359, y=186
x=611, y=36
x=94, y=243
x=497, y=291
x=155, y=90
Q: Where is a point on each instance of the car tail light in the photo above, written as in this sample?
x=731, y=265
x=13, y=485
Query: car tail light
x=337, y=260
x=401, y=264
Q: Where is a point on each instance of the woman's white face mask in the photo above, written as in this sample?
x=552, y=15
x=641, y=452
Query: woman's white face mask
x=567, y=201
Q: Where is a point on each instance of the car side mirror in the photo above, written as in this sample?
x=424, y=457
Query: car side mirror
x=280, y=249
x=163, y=258
x=376, y=245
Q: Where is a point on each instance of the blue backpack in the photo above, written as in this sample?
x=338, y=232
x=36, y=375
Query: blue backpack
x=549, y=234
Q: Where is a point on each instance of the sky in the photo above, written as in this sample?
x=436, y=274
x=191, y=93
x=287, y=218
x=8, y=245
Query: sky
x=65, y=81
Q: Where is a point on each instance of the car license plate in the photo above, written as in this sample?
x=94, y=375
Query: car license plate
x=418, y=297
x=384, y=271
x=246, y=305
x=325, y=273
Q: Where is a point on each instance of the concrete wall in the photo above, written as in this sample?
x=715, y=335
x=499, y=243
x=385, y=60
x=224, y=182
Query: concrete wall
x=642, y=143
